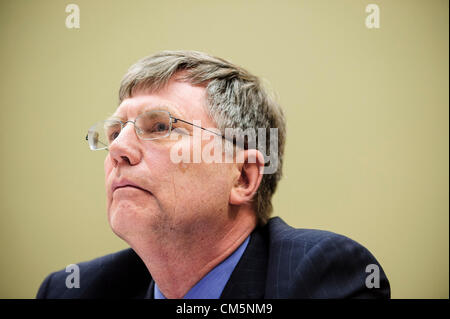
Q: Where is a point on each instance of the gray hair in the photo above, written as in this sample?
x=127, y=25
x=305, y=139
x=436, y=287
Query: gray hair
x=236, y=99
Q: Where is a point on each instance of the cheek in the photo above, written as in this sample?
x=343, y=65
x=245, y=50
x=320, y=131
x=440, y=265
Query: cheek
x=203, y=185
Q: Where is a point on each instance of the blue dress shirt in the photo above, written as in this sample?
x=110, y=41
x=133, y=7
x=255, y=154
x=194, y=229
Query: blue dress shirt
x=212, y=285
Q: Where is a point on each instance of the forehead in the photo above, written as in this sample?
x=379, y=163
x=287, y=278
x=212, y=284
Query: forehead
x=179, y=98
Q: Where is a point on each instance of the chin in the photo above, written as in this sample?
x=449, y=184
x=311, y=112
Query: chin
x=132, y=222
x=121, y=222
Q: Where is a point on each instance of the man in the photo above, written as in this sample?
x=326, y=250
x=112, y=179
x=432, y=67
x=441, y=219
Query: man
x=201, y=228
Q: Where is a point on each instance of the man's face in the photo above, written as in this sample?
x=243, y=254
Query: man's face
x=170, y=199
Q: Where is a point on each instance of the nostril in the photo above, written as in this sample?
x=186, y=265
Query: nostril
x=126, y=159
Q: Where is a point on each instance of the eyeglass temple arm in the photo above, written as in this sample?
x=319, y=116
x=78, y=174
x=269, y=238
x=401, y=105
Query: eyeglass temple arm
x=218, y=134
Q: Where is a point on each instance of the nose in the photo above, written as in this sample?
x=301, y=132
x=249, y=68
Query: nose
x=125, y=149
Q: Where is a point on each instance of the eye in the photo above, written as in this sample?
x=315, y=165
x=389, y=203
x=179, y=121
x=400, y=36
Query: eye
x=160, y=127
x=114, y=135
x=153, y=124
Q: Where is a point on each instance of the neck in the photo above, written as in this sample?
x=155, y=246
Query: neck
x=177, y=263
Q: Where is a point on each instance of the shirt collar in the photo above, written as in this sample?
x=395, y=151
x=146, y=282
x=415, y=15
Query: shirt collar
x=213, y=283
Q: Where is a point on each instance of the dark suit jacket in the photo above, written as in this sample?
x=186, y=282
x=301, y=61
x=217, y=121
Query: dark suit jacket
x=279, y=262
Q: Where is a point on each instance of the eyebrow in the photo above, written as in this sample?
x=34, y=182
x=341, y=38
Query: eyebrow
x=147, y=108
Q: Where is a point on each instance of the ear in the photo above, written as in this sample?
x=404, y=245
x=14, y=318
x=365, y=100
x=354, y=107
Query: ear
x=249, y=177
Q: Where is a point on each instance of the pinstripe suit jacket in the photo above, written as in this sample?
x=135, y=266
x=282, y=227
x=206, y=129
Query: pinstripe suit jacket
x=279, y=262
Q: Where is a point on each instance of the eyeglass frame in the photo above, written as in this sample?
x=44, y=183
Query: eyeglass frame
x=172, y=120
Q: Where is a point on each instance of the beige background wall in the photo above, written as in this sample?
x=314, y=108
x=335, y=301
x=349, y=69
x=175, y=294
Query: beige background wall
x=367, y=112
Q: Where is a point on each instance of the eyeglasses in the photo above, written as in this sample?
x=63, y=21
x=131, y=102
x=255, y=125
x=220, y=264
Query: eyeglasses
x=150, y=125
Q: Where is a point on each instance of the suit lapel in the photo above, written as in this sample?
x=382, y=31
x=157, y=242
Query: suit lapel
x=248, y=280
x=149, y=294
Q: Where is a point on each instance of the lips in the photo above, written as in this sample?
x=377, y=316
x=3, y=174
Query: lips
x=125, y=186
x=126, y=183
